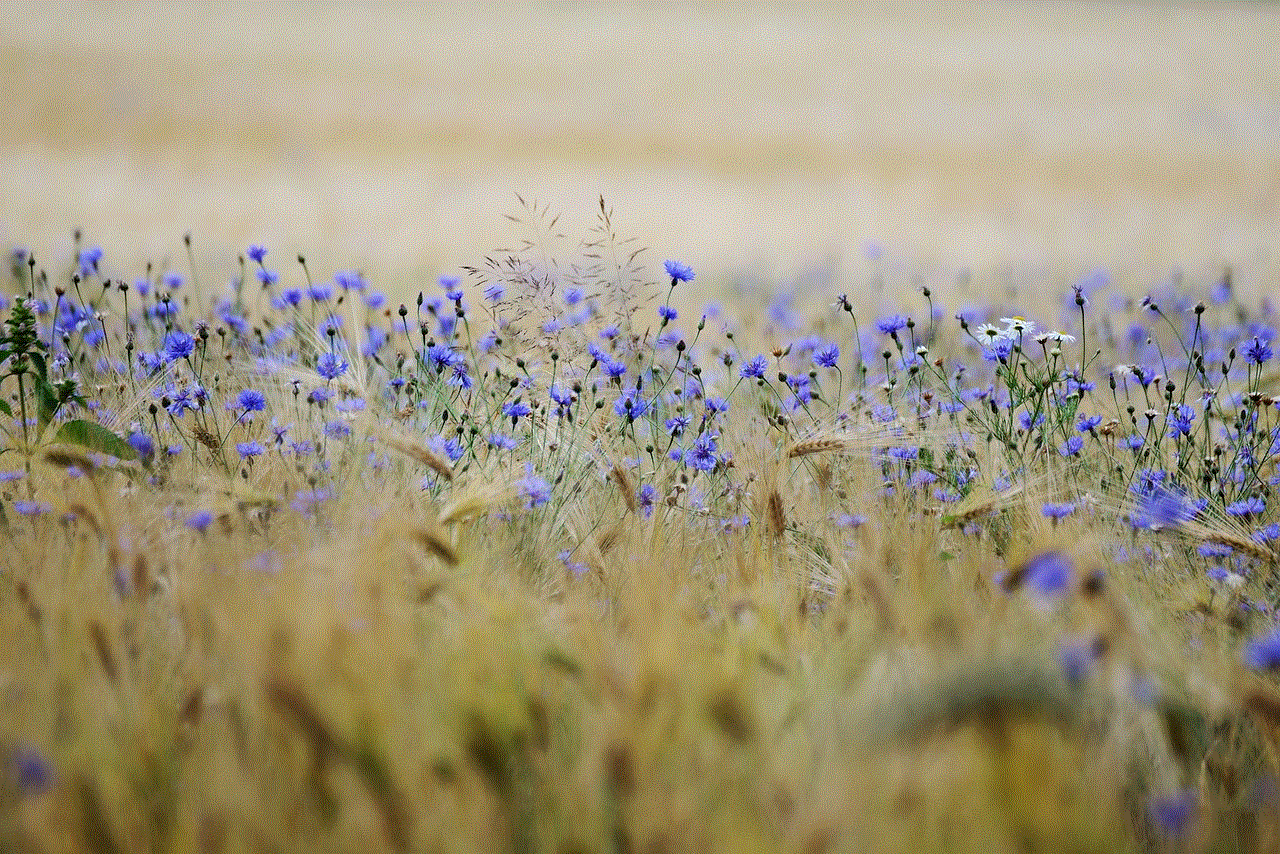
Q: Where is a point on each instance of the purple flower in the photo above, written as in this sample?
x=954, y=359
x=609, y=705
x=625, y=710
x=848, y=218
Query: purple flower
x=88, y=260
x=702, y=456
x=330, y=366
x=1172, y=814
x=31, y=508
x=1258, y=352
x=1263, y=653
x=677, y=424
x=1076, y=660
x=755, y=368
x=827, y=357
x=1048, y=572
x=1251, y=506
x=646, y=495
x=1071, y=447
x=248, y=449
x=178, y=345
x=1058, y=511
x=630, y=405
x=30, y=771
x=1180, y=419
x=1163, y=507
x=267, y=277
x=251, y=400
x=534, y=489
x=678, y=272
x=142, y=443
x=172, y=281
x=1084, y=425
x=892, y=325
x=199, y=520
x=257, y=253
x=666, y=312
x=515, y=410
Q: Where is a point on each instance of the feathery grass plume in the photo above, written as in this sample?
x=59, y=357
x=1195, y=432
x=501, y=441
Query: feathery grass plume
x=34, y=614
x=819, y=445
x=434, y=542
x=475, y=498
x=623, y=480
x=102, y=646
x=776, y=513
x=419, y=452
x=68, y=457
x=999, y=692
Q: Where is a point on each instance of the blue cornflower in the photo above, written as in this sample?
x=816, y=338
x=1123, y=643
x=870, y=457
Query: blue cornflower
x=892, y=325
x=630, y=405
x=502, y=441
x=251, y=400
x=172, y=281
x=199, y=521
x=1258, y=352
x=999, y=350
x=754, y=368
x=534, y=489
x=1076, y=660
x=1164, y=507
x=613, y=369
x=1071, y=447
x=1048, y=572
x=717, y=405
x=1263, y=653
x=451, y=290
x=249, y=449
x=330, y=366
x=442, y=356
x=1214, y=550
x=667, y=313
x=646, y=495
x=1084, y=425
x=1252, y=506
x=267, y=277
x=337, y=429
x=1180, y=418
x=88, y=260
x=257, y=253
x=494, y=291
x=178, y=345
x=827, y=357
x=31, y=508
x=1058, y=511
x=1134, y=441
x=702, y=456
x=30, y=771
x=1172, y=814
x=142, y=443
x=677, y=424
x=678, y=272
x=515, y=410
x=349, y=280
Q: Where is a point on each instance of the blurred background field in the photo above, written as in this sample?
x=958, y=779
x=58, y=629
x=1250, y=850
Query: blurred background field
x=1024, y=136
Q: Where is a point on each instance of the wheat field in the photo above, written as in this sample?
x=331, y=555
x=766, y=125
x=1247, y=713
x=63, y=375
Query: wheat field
x=639, y=429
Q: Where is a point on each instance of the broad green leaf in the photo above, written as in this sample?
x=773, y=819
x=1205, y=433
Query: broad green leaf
x=95, y=437
x=46, y=402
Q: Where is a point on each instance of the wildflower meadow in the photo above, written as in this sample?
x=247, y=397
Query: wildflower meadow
x=590, y=549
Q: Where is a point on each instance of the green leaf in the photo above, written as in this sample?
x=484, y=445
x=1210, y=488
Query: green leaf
x=4, y=407
x=95, y=437
x=46, y=402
